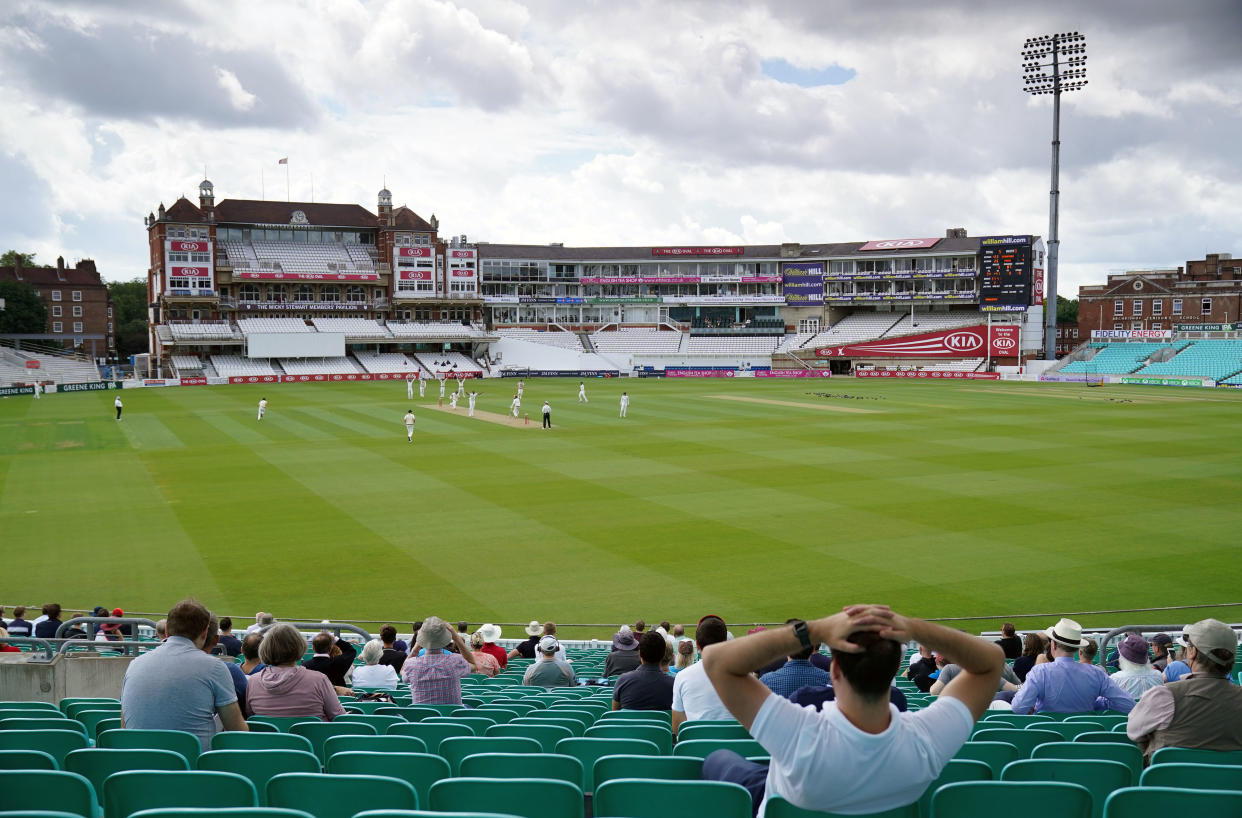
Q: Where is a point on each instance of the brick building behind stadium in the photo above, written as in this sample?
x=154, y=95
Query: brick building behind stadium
x=77, y=303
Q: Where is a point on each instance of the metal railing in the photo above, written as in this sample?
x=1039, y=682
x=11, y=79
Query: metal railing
x=334, y=628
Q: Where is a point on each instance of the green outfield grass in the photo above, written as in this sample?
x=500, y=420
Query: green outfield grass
x=962, y=499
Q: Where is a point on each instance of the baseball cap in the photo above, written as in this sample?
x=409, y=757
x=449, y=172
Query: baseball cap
x=548, y=644
x=1209, y=635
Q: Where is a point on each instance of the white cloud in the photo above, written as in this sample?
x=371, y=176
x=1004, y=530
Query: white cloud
x=241, y=99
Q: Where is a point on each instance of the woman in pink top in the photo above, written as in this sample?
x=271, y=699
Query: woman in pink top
x=485, y=662
x=284, y=688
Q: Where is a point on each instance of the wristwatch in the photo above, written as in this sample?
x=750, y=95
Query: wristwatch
x=802, y=632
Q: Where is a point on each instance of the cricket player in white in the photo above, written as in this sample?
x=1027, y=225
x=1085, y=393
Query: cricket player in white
x=442, y=379
x=516, y=405
x=582, y=398
x=461, y=386
x=409, y=425
x=36, y=390
x=521, y=389
x=262, y=407
x=625, y=403
x=422, y=387
x=117, y=403
x=472, y=396
x=409, y=389
x=453, y=400
x=547, y=415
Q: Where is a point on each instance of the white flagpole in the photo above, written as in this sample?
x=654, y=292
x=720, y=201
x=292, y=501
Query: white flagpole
x=262, y=185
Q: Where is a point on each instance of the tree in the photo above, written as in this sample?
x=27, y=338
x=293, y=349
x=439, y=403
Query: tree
x=129, y=304
x=12, y=258
x=23, y=309
x=1067, y=310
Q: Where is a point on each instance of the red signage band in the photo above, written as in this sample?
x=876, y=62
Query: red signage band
x=190, y=246
x=698, y=251
x=963, y=342
x=271, y=275
x=899, y=244
x=464, y=273
x=463, y=254
x=414, y=275
x=189, y=272
x=414, y=252
x=934, y=375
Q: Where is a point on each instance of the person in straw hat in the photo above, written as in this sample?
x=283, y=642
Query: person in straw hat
x=1068, y=686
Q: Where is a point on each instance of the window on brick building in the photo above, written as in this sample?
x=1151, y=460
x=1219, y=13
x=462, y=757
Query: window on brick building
x=57, y=326
x=1136, y=325
x=77, y=312
x=1119, y=326
x=1157, y=325
x=55, y=295
x=1206, y=307
x=1177, y=306
x=1136, y=307
x=1157, y=307
x=77, y=295
x=1075, y=332
x=56, y=311
x=1119, y=308
x=77, y=326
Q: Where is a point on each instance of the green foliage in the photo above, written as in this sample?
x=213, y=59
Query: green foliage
x=12, y=257
x=23, y=309
x=1067, y=310
x=129, y=303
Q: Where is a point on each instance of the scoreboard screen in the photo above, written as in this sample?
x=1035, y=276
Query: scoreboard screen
x=1005, y=280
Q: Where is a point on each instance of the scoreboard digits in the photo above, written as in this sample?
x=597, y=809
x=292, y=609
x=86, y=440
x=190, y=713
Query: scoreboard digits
x=1005, y=281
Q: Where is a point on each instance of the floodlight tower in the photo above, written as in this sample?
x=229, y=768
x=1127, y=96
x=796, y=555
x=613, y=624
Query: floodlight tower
x=1065, y=70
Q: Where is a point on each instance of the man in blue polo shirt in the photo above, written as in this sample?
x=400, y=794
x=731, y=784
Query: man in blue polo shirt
x=647, y=687
x=177, y=686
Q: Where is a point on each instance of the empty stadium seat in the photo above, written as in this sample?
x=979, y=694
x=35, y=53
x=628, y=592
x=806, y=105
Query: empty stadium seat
x=419, y=770
x=522, y=797
x=52, y=790
x=1014, y=799
x=339, y=795
x=128, y=792
x=650, y=798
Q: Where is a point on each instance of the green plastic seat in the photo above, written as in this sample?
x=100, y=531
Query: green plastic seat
x=1193, y=776
x=574, y=726
x=363, y=708
x=1106, y=720
x=90, y=719
x=660, y=736
x=546, y=734
x=419, y=770
x=75, y=709
x=520, y=708
x=1102, y=737
x=1013, y=799
x=281, y=723
x=443, y=709
x=56, y=743
x=223, y=812
x=238, y=740
x=589, y=750
x=702, y=748
x=523, y=765
x=521, y=797
x=339, y=795
x=63, y=704
x=1025, y=740
x=9, y=712
x=128, y=792
x=1101, y=778
x=1144, y=802
x=104, y=725
x=1126, y=754
x=1069, y=730
x=373, y=744
x=663, y=716
x=37, y=813
x=780, y=808
x=699, y=732
x=413, y=712
x=431, y=734
x=260, y=766
x=477, y=723
x=455, y=749
x=48, y=706
x=958, y=769
x=178, y=741
x=96, y=764
x=999, y=719
x=502, y=715
x=648, y=798
x=585, y=717
x=426, y=813
x=380, y=723
x=27, y=760
x=666, y=768
x=1188, y=755
x=53, y=790
x=48, y=723
x=320, y=731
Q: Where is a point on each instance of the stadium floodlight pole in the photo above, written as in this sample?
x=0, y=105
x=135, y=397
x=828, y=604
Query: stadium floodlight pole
x=1065, y=71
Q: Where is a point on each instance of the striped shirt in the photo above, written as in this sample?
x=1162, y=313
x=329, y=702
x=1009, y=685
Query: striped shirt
x=435, y=677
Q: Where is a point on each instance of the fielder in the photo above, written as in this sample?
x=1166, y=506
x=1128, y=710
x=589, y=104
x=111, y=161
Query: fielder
x=409, y=425
x=461, y=386
x=582, y=398
x=453, y=400
x=472, y=397
x=409, y=389
x=516, y=405
x=262, y=407
x=625, y=403
x=521, y=389
x=422, y=387
x=36, y=390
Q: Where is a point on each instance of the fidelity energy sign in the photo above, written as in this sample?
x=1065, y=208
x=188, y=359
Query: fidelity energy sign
x=964, y=342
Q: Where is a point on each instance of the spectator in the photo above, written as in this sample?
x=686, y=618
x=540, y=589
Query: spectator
x=46, y=629
x=666, y=626
x=526, y=648
x=3, y=624
x=1009, y=641
x=549, y=671
x=640, y=627
x=250, y=653
x=161, y=630
x=491, y=634
x=858, y=754
x=920, y=670
x=262, y=620
x=796, y=673
x=1159, y=650
x=694, y=697
x=414, y=626
x=391, y=656
x=1087, y=653
x=1032, y=646
x=5, y=647
x=679, y=633
x=230, y=643
x=19, y=626
x=1178, y=666
x=463, y=627
x=110, y=632
x=435, y=674
x=685, y=655
x=624, y=655
x=1136, y=676
x=375, y=674
x=484, y=661
x=948, y=671
x=235, y=672
x=1066, y=686
x=647, y=687
x=1203, y=710
x=177, y=686
x=332, y=659
x=284, y=688
x=819, y=695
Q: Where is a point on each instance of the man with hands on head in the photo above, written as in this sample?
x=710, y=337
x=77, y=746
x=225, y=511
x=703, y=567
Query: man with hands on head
x=858, y=754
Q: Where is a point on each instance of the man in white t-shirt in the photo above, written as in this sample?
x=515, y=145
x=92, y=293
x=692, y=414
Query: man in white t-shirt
x=694, y=698
x=625, y=403
x=409, y=425
x=262, y=407
x=859, y=754
x=422, y=387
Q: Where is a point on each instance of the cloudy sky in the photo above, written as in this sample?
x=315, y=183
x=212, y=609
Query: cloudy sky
x=643, y=122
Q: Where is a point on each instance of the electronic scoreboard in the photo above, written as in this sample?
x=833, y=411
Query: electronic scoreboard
x=1005, y=280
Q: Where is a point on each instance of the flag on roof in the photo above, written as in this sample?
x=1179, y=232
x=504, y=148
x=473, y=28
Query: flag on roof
x=284, y=161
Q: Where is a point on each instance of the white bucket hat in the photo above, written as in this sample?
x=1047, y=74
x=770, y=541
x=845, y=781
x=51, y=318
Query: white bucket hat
x=490, y=632
x=1067, y=633
x=535, y=628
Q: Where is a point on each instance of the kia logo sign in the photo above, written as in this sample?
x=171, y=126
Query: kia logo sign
x=963, y=341
x=899, y=244
x=1003, y=343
